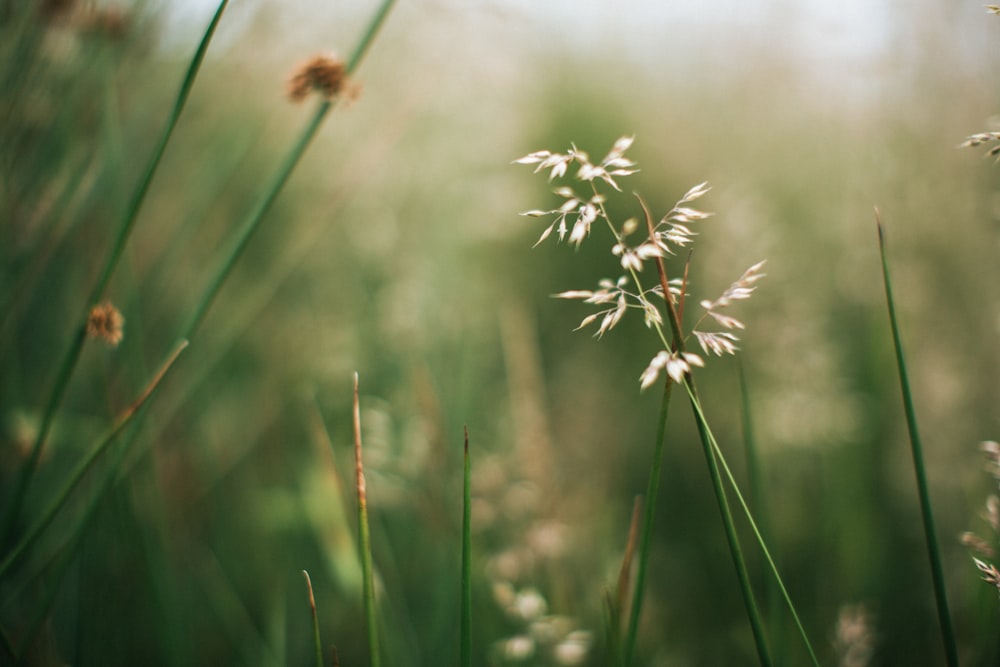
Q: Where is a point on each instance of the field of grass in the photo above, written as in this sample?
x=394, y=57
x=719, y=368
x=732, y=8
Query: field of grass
x=194, y=265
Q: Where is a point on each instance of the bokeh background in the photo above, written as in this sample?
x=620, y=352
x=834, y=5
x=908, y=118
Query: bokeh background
x=396, y=251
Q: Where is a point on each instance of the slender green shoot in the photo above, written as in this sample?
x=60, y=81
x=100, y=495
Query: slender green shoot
x=712, y=459
x=364, y=538
x=465, y=651
x=315, y=620
x=252, y=222
x=645, y=539
x=700, y=417
x=916, y=448
x=72, y=356
x=59, y=500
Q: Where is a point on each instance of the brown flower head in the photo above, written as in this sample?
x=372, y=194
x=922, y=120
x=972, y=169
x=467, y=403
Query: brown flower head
x=325, y=74
x=105, y=322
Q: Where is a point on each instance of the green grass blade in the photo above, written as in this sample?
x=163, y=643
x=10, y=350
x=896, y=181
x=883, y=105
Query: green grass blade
x=315, y=620
x=465, y=651
x=700, y=417
x=59, y=500
x=364, y=538
x=712, y=456
x=285, y=169
x=645, y=539
x=69, y=361
x=916, y=448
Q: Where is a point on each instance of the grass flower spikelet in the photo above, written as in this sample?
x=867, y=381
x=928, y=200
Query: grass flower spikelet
x=105, y=322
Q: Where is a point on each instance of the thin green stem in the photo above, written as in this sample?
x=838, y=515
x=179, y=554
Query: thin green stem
x=81, y=469
x=368, y=579
x=285, y=169
x=465, y=651
x=700, y=417
x=315, y=620
x=916, y=448
x=72, y=356
x=735, y=550
x=652, y=488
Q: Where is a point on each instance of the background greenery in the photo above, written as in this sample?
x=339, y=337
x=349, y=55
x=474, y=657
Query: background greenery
x=396, y=251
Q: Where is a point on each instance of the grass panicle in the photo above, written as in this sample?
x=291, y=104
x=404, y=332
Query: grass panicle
x=672, y=232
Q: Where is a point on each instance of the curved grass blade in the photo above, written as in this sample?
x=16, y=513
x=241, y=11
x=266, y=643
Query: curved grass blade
x=916, y=449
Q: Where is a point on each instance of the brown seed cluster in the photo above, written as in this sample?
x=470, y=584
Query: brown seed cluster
x=105, y=322
x=325, y=74
x=111, y=22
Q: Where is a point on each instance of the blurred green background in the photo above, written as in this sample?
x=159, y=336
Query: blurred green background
x=396, y=251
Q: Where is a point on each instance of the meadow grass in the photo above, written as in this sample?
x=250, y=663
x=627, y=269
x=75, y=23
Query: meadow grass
x=178, y=534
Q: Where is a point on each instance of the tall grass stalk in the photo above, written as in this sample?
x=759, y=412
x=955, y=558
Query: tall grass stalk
x=712, y=456
x=60, y=498
x=364, y=539
x=916, y=449
x=315, y=620
x=72, y=356
x=252, y=222
x=720, y=457
x=465, y=650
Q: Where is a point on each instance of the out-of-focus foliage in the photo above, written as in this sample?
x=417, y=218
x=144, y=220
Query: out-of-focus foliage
x=396, y=251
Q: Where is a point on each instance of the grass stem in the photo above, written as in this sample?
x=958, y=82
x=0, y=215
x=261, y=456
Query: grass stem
x=315, y=620
x=364, y=538
x=252, y=222
x=916, y=448
x=465, y=651
x=700, y=417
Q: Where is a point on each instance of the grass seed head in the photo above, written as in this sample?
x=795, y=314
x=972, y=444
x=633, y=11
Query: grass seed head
x=322, y=73
x=105, y=322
